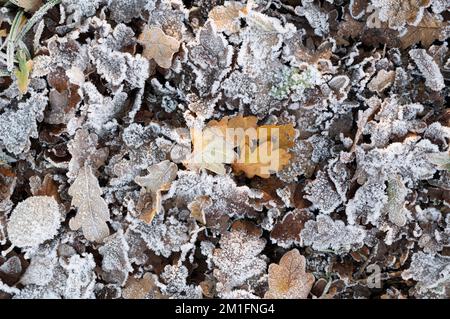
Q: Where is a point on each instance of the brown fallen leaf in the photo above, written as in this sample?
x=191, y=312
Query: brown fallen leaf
x=29, y=5
x=381, y=81
x=142, y=288
x=288, y=279
x=197, y=208
x=226, y=17
x=158, y=46
x=47, y=187
x=427, y=31
x=159, y=179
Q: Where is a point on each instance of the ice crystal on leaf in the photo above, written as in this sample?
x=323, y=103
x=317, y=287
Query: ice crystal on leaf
x=42, y=267
x=159, y=179
x=84, y=150
x=226, y=197
x=175, y=285
x=163, y=236
x=80, y=277
x=429, y=69
x=115, y=262
x=409, y=159
x=400, y=13
x=125, y=10
x=238, y=259
x=65, y=53
x=367, y=203
x=93, y=212
x=78, y=10
x=211, y=56
x=17, y=126
x=102, y=111
x=34, y=221
x=322, y=193
x=316, y=18
x=432, y=272
x=393, y=121
x=324, y=233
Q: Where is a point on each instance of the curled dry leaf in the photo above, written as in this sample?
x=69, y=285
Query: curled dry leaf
x=197, y=208
x=158, y=46
x=93, y=212
x=288, y=279
x=159, y=179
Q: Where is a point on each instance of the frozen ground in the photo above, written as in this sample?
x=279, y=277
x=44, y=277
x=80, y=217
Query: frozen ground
x=102, y=194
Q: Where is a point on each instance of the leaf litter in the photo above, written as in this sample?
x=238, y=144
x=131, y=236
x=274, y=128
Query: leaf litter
x=119, y=177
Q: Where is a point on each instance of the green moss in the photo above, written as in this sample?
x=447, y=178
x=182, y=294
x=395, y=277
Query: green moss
x=292, y=80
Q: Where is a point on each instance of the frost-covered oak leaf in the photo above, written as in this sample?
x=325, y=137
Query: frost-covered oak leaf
x=115, y=262
x=17, y=126
x=158, y=46
x=34, y=221
x=288, y=279
x=238, y=258
x=93, y=212
x=325, y=233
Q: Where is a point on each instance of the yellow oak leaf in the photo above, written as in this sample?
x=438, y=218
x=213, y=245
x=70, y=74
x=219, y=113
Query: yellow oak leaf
x=288, y=279
x=236, y=128
x=158, y=46
x=282, y=134
x=262, y=161
x=255, y=151
x=211, y=150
